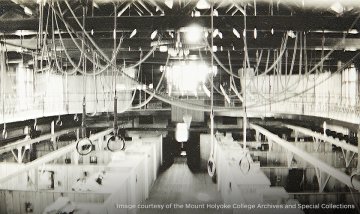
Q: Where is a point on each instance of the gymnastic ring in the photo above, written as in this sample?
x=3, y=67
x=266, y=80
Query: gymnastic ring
x=211, y=168
x=87, y=144
x=59, y=122
x=4, y=134
x=115, y=138
x=76, y=118
x=242, y=164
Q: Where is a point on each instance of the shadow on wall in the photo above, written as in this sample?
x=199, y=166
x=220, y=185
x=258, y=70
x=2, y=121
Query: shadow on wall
x=192, y=148
x=171, y=148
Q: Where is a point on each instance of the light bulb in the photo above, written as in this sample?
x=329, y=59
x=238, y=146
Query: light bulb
x=236, y=33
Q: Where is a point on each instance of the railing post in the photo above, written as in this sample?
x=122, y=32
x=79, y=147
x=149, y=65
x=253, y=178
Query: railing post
x=358, y=162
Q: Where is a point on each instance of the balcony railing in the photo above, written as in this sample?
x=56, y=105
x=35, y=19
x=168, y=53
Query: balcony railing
x=331, y=106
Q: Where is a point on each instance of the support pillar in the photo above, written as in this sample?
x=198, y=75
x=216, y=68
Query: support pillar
x=316, y=144
x=83, y=119
x=289, y=158
x=146, y=175
x=100, y=143
x=19, y=154
x=244, y=131
x=75, y=156
x=133, y=181
x=154, y=162
x=348, y=156
x=270, y=145
x=161, y=149
x=36, y=176
x=257, y=137
x=358, y=162
x=77, y=134
x=52, y=130
x=322, y=179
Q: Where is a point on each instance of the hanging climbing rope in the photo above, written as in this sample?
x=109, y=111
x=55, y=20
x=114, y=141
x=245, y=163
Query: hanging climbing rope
x=211, y=166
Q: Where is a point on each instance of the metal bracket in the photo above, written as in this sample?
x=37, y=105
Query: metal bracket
x=15, y=156
x=316, y=144
x=20, y=154
x=322, y=179
x=100, y=143
x=348, y=156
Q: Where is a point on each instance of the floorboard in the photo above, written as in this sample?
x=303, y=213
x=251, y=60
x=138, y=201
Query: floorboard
x=178, y=185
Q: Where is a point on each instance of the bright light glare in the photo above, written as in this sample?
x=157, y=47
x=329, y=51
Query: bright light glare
x=193, y=34
x=169, y=3
x=187, y=77
x=337, y=7
x=202, y=4
x=182, y=132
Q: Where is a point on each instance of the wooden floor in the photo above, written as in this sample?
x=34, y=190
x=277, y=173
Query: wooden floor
x=178, y=185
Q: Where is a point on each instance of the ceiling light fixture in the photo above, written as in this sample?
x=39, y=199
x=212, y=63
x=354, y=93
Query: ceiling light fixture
x=28, y=11
x=272, y=31
x=220, y=35
x=291, y=34
x=25, y=32
x=214, y=48
x=163, y=48
x=153, y=34
x=206, y=34
x=255, y=33
x=197, y=13
x=133, y=33
x=215, y=33
x=353, y=31
x=236, y=33
x=95, y=5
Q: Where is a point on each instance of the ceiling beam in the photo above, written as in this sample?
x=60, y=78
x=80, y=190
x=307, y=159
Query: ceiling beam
x=317, y=163
x=149, y=23
x=136, y=44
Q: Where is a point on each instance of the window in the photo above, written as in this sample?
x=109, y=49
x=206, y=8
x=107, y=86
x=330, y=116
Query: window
x=349, y=86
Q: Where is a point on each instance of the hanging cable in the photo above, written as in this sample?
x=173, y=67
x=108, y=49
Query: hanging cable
x=171, y=99
x=156, y=88
x=211, y=166
x=75, y=67
x=238, y=77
